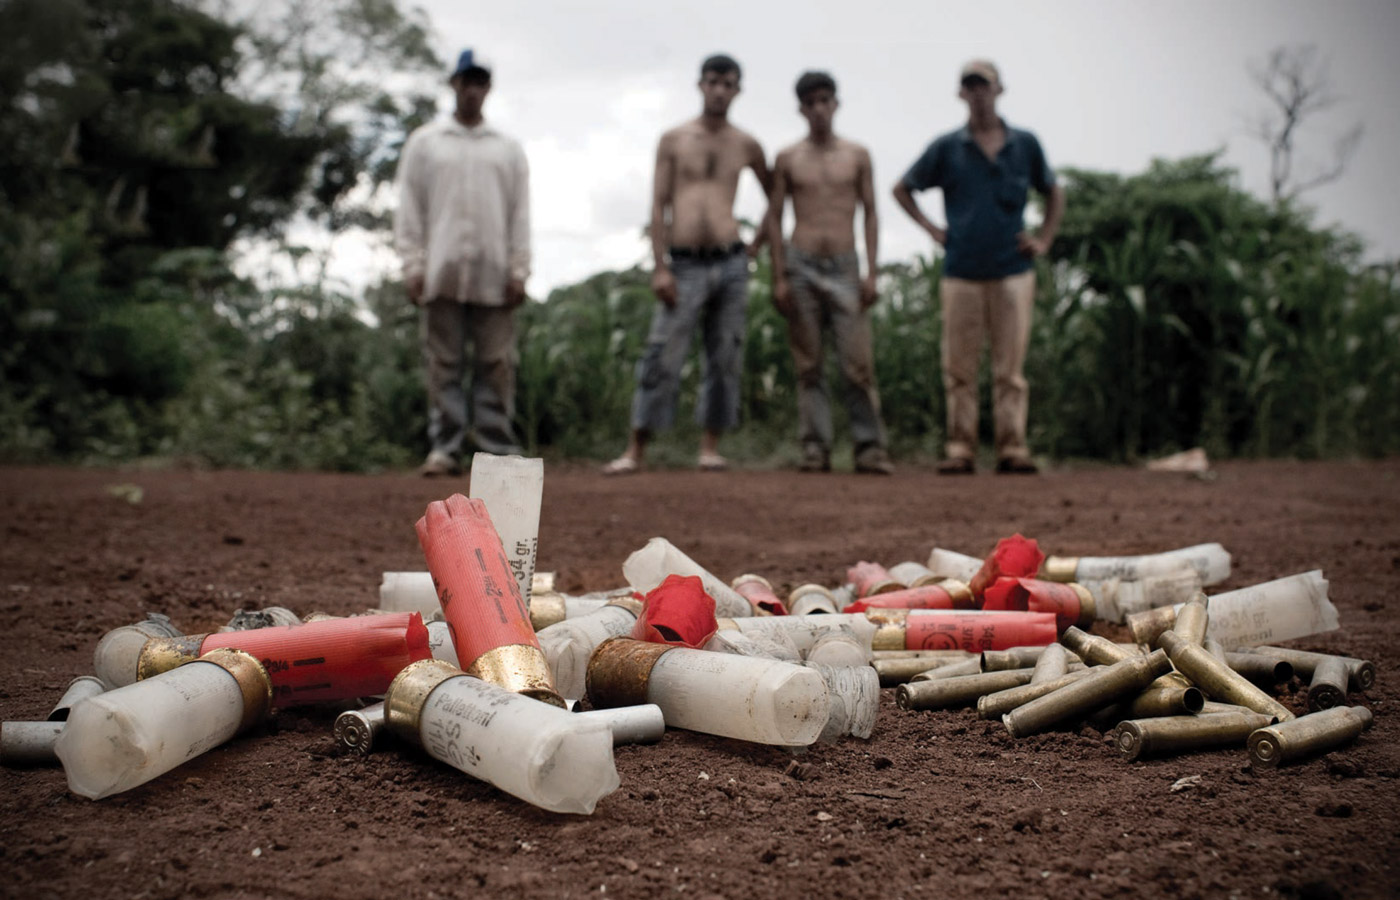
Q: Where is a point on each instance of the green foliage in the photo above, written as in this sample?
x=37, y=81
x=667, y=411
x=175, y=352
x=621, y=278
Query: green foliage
x=141, y=139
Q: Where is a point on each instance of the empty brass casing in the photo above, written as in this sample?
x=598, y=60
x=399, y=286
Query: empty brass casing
x=546, y=609
x=1094, y=650
x=619, y=672
x=29, y=743
x=1217, y=650
x=161, y=654
x=1148, y=624
x=1170, y=700
x=520, y=669
x=898, y=671
x=1098, y=651
x=1308, y=735
x=1103, y=685
x=1211, y=707
x=1328, y=687
x=1218, y=680
x=1261, y=669
x=1053, y=663
x=252, y=679
x=1060, y=568
x=953, y=669
x=1174, y=734
x=1363, y=671
x=357, y=729
x=408, y=693
x=1192, y=619
x=994, y=706
x=79, y=688
x=949, y=692
x=1010, y=658
x=922, y=654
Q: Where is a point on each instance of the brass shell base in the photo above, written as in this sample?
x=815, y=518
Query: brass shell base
x=620, y=670
x=520, y=669
x=252, y=679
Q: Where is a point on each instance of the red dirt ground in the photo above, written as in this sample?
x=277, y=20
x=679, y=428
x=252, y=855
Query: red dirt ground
x=933, y=804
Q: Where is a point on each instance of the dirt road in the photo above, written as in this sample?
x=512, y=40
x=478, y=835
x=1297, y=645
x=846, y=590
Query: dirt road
x=934, y=804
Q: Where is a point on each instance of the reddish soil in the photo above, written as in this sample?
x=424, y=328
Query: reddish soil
x=933, y=804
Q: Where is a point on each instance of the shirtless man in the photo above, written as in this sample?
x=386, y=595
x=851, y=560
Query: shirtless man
x=702, y=270
x=816, y=278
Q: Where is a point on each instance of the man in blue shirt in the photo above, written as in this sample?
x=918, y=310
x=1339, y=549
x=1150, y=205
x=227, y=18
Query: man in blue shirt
x=985, y=170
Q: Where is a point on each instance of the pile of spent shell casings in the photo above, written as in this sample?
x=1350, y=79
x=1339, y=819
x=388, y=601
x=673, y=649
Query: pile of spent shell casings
x=914, y=629
x=1170, y=691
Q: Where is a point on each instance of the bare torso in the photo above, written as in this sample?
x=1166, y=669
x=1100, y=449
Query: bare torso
x=703, y=165
x=825, y=183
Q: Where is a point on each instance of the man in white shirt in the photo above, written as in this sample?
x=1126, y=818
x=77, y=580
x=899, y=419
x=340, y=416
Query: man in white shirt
x=463, y=232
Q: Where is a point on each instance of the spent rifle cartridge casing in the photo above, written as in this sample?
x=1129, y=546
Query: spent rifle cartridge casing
x=961, y=691
x=79, y=688
x=1175, y=734
x=1328, y=687
x=1102, y=686
x=1218, y=680
x=1098, y=651
x=1307, y=736
x=1147, y=625
x=1263, y=670
x=994, y=706
x=357, y=730
x=957, y=669
x=29, y=743
x=1011, y=658
x=1362, y=671
x=1053, y=663
x=898, y=671
x=1192, y=620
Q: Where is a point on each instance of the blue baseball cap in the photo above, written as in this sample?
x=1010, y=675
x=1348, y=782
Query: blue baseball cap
x=469, y=60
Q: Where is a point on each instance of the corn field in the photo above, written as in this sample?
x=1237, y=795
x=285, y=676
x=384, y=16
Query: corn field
x=1175, y=311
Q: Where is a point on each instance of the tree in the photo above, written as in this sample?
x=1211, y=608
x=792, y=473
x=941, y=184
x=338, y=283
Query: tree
x=1298, y=87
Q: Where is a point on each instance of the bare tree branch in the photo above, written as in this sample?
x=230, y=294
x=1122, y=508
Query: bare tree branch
x=1298, y=85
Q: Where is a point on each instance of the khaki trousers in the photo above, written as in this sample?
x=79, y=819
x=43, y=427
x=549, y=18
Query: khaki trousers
x=445, y=328
x=974, y=311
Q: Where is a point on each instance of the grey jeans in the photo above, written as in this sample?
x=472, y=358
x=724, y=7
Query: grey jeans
x=445, y=327
x=826, y=293
x=713, y=294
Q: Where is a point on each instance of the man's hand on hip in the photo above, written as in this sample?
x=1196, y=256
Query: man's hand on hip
x=663, y=285
x=1032, y=245
x=515, y=292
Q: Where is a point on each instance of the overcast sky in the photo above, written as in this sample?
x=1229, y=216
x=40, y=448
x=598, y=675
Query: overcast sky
x=588, y=87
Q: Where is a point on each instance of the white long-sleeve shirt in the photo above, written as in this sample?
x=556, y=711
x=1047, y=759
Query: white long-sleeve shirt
x=463, y=220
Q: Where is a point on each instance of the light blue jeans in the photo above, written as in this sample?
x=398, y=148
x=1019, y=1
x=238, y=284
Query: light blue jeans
x=713, y=294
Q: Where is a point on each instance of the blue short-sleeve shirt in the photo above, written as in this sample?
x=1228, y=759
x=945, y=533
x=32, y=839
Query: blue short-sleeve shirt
x=985, y=199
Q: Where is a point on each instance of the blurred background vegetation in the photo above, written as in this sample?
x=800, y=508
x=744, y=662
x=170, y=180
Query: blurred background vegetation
x=143, y=143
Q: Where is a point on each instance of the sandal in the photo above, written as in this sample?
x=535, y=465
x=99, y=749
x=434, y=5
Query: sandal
x=623, y=465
